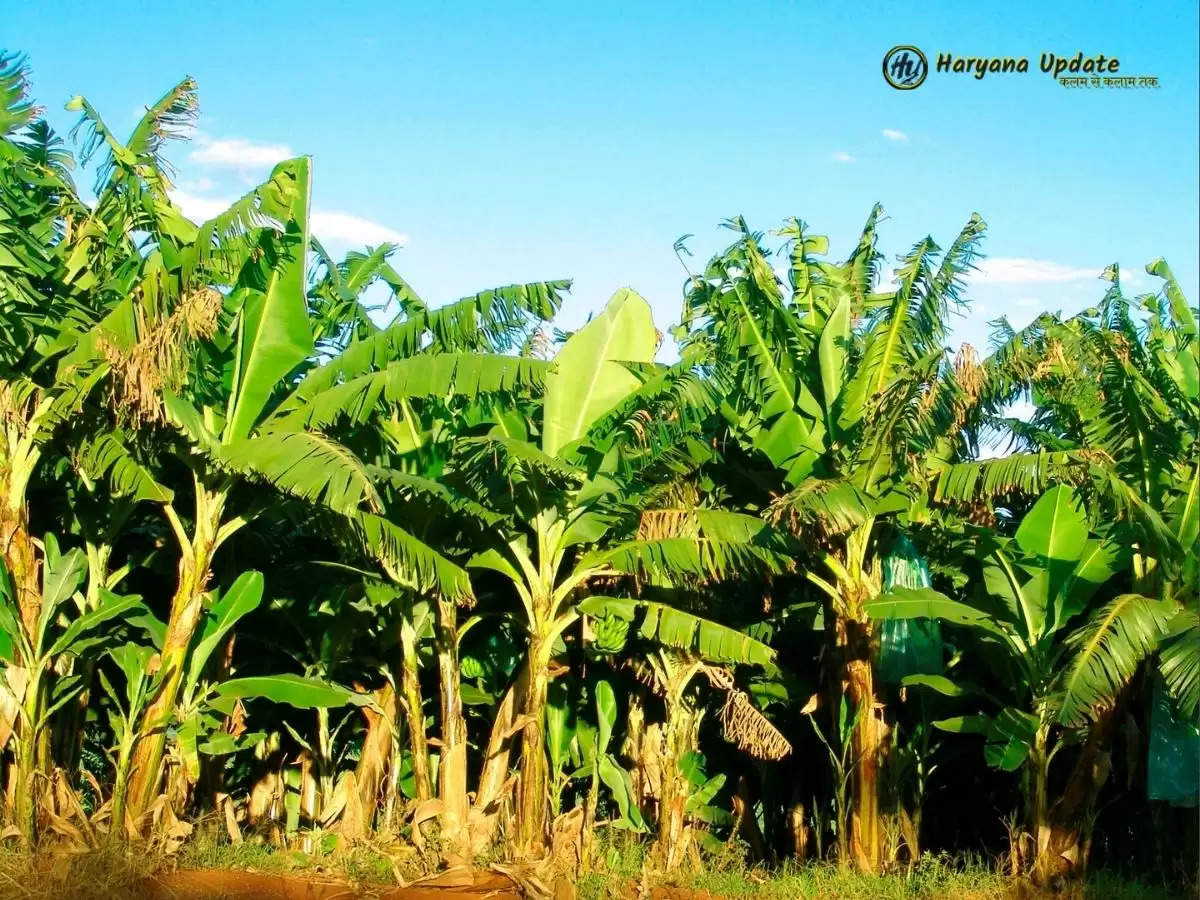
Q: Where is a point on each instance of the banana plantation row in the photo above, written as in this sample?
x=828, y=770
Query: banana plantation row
x=462, y=581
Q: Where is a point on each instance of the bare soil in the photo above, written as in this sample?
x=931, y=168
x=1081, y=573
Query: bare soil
x=224, y=884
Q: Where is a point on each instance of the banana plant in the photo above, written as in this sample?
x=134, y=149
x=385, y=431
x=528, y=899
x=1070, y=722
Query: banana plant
x=843, y=401
x=575, y=502
x=67, y=266
x=208, y=719
x=134, y=663
x=30, y=692
x=397, y=393
x=1117, y=387
x=702, y=791
x=842, y=762
x=590, y=748
x=240, y=415
x=684, y=648
x=405, y=622
x=1066, y=655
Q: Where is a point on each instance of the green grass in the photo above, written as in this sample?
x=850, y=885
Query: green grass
x=358, y=864
x=116, y=872
x=726, y=875
x=827, y=882
x=622, y=871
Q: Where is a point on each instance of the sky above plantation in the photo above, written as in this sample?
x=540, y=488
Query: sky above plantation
x=510, y=142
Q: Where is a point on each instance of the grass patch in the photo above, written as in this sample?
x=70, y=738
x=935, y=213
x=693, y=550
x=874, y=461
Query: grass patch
x=92, y=875
x=926, y=881
x=622, y=873
x=726, y=875
x=53, y=873
x=327, y=855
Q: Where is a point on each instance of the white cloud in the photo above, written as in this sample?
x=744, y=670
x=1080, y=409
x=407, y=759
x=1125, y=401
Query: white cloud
x=199, y=185
x=893, y=135
x=198, y=208
x=331, y=226
x=1130, y=276
x=1019, y=270
x=237, y=153
x=843, y=157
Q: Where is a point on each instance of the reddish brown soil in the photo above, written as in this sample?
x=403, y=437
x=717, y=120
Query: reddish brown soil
x=221, y=884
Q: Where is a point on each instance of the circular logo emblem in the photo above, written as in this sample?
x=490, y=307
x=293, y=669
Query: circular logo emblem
x=905, y=67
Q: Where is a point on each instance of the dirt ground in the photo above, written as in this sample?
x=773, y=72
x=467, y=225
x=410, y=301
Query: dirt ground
x=219, y=884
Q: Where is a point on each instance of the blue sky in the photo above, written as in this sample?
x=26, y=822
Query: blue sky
x=512, y=142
